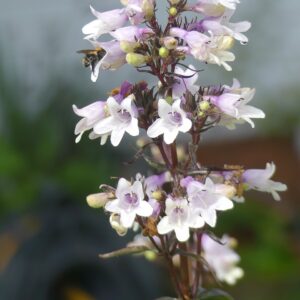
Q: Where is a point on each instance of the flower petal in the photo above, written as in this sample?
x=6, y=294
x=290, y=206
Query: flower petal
x=164, y=226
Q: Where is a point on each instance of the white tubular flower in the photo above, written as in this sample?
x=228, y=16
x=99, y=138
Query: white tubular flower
x=206, y=199
x=259, y=179
x=123, y=118
x=185, y=84
x=204, y=48
x=105, y=22
x=91, y=115
x=113, y=59
x=180, y=218
x=131, y=33
x=129, y=203
x=234, y=103
x=171, y=121
x=222, y=259
x=213, y=8
x=221, y=26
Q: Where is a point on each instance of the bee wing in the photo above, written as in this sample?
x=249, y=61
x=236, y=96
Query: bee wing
x=85, y=51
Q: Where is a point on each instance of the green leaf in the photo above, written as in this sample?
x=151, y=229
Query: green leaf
x=214, y=294
x=125, y=251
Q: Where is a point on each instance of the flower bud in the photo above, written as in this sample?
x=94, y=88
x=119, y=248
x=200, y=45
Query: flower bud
x=169, y=99
x=135, y=59
x=226, y=43
x=173, y=11
x=201, y=113
x=148, y=8
x=157, y=195
x=163, y=52
x=115, y=223
x=150, y=255
x=170, y=42
x=204, y=105
x=98, y=200
x=232, y=243
x=129, y=47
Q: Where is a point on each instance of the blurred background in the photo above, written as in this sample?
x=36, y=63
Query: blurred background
x=49, y=238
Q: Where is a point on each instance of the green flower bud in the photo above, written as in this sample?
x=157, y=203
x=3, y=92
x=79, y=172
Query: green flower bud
x=163, y=52
x=204, y=105
x=148, y=9
x=174, y=2
x=135, y=59
x=169, y=99
x=150, y=255
x=129, y=47
x=170, y=42
x=200, y=114
x=98, y=200
x=173, y=11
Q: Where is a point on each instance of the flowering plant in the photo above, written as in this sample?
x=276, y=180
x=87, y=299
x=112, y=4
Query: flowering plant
x=176, y=207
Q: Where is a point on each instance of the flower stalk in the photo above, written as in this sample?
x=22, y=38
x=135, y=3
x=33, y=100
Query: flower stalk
x=177, y=207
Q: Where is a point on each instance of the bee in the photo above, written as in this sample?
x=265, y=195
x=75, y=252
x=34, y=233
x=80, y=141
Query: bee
x=92, y=57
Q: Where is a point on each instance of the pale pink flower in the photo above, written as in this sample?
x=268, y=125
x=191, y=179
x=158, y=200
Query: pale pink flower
x=129, y=202
x=172, y=120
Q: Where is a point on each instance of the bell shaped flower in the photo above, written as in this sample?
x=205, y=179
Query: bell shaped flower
x=129, y=202
x=131, y=33
x=222, y=259
x=138, y=10
x=91, y=115
x=123, y=118
x=113, y=59
x=186, y=82
x=260, y=180
x=212, y=50
x=221, y=26
x=234, y=103
x=206, y=199
x=213, y=8
x=180, y=218
x=172, y=120
x=105, y=22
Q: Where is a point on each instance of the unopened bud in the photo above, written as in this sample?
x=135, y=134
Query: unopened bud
x=150, y=255
x=204, y=105
x=141, y=142
x=169, y=99
x=163, y=52
x=170, y=42
x=201, y=113
x=148, y=8
x=232, y=243
x=173, y=11
x=115, y=223
x=129, y=47
x=136, y=59
x=226, y=43
x=98, y=200
x=157, y=195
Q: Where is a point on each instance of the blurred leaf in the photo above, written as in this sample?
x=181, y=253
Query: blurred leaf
x=216, y=294
x=125, y=251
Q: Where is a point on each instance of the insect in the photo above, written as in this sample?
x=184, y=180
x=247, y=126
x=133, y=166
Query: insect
x=92, y=57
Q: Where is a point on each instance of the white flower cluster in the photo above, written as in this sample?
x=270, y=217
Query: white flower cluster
x=178, y=204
